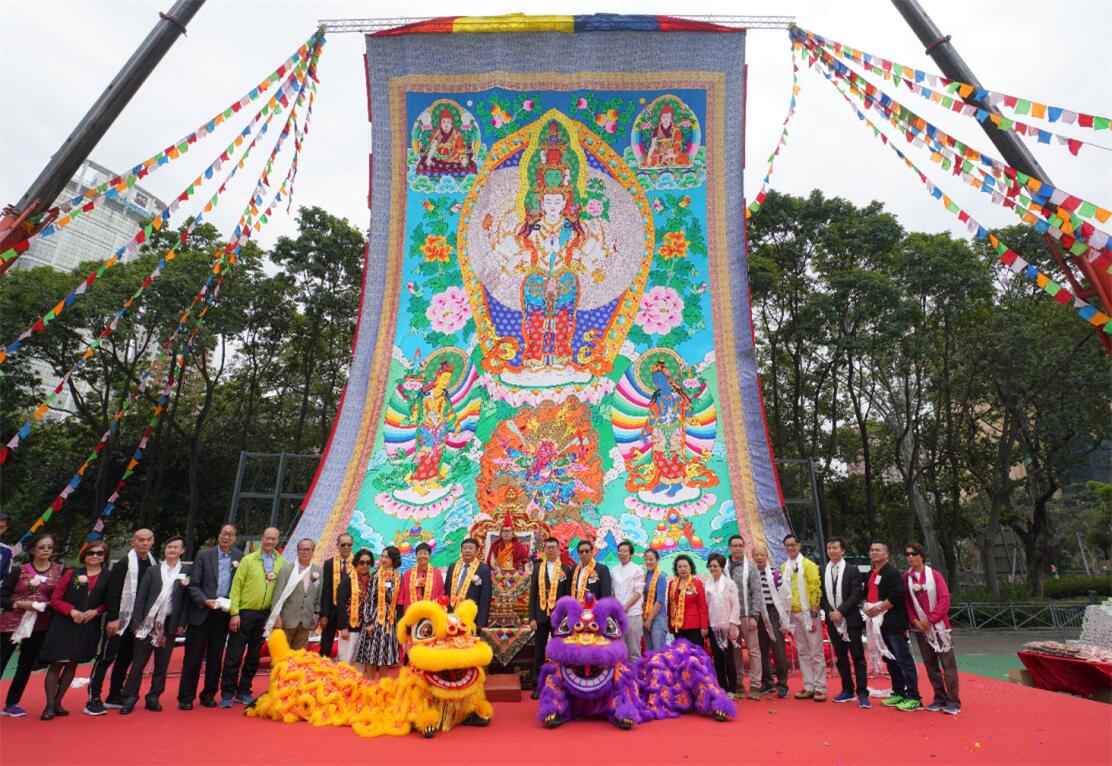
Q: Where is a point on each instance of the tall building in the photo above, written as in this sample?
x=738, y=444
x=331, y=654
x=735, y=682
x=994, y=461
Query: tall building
x=92, y=236
x=97, y=234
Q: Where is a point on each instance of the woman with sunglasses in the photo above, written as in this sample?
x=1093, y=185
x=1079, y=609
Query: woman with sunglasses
x=73, y=634
x=25, y=598
x=351, y=601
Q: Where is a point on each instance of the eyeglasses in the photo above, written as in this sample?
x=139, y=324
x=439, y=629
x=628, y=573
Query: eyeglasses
x=910, y=553
x=363, y=563
x=94, y=553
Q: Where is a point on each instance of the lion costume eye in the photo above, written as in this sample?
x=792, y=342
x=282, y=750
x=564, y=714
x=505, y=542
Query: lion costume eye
x=424, y=630
x=563, y=629
x=612, y=629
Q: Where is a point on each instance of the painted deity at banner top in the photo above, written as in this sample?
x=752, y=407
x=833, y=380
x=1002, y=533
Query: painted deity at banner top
x=431, y=415
x=444, y=143
x=664, y=423
x=554, y=251
x=666, y=134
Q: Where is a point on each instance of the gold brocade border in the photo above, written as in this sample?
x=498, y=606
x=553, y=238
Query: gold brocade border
x=722, y=291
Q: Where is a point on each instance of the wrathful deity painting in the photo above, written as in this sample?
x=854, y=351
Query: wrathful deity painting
x=562, y=331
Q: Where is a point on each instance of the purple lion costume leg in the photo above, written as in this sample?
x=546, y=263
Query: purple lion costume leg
x=586, y=673
x=680, y=678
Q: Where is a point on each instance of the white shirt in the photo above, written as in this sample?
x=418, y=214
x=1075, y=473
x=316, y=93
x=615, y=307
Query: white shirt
x=628, y=579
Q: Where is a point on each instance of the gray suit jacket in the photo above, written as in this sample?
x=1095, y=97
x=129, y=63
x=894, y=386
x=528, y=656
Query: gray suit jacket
x=304, y=603
x=752, y=586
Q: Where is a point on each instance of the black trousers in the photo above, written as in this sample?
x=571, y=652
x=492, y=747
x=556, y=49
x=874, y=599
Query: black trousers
x=779, y=650
x=142, y=650
x=248, y=639
x=204, y=643
x=694, y=635
x=28, y=656
x=540, y=641
x=905, y=680
x=724, y=666
x=115, y=652
x=328, y=638
x=843, y=650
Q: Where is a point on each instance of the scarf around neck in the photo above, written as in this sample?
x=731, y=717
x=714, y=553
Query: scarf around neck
x=156, y=615
x=131, y=585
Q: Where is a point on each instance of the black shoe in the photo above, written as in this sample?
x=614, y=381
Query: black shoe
x=153, y=706
x=535, y=694
x=767, y=689
x=207, y=703
x=782, y=692
x=47, y=714
x=185, y=706
x=114, y=703
x=94, y=707
x=127, y=707
x=59, y=711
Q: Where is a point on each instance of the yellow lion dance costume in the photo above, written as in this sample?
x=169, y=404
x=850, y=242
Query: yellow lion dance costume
x=441, y=685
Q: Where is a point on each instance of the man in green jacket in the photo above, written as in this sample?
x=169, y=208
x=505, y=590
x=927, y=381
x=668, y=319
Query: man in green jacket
x=252, y=593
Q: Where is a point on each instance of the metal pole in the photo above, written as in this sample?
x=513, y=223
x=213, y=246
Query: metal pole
x=274, y=506
x=820, y=535
x=1011, y=148
x=77, y=147
x=238, y=486
x=1084, y=558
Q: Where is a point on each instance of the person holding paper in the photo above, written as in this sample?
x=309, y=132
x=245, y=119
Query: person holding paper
x=210, y=584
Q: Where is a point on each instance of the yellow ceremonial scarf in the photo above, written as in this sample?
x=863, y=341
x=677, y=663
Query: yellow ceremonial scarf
x=425, y=591
x=356, y=597
x=385, y=615
x=677, y=597
x=336, y=573
x=650, y=596
x=581, y=585
x=546, y=594
x=459, y=591
x=505, y=556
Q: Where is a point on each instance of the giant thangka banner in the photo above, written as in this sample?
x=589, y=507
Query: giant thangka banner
x=555, y=320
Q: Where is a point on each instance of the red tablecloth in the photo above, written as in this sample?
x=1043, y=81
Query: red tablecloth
x=1063, y=674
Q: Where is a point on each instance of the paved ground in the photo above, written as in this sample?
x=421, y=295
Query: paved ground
x=991, y=653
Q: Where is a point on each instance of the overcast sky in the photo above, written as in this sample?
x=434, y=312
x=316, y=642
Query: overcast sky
x=56, y=57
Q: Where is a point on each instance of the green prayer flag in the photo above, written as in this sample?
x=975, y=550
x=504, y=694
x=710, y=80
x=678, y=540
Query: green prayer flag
x=1101, y=123
x=1052, y=288
x=1006, y=124
x=1087, y=210
x=127, y=475
x=953, y=87
x=1022, y=106
x=947, y=102
x=131, y=181
x=966, y=166
x=1023, y=178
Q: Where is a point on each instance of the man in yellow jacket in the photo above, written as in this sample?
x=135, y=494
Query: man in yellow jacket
x=800, y=579
x=252, y=593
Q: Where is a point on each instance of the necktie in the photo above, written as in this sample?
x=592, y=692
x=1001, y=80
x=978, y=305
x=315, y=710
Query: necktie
x=343, y=567
x=837, y=578
x=462, y=574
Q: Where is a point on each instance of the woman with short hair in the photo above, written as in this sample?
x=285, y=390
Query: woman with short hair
x=687, y=603
x=724, y=616
x=377, y=647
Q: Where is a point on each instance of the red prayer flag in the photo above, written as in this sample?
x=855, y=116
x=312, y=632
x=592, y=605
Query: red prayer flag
x=1085, y=120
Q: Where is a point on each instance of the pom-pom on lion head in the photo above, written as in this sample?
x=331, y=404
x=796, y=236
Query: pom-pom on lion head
x=442, y=648
x=587, y=643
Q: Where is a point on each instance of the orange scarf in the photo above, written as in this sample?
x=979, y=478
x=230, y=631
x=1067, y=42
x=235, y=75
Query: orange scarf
x=677, y=596
x=650, y=596
x=505, y=557
x=426, y=588
x=385, y=616
x=459, y=591
x=336, y=574
x=581, y=585
x=547, y=594
x=356, y=595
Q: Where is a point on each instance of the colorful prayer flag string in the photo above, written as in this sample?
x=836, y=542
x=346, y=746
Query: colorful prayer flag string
x=228, y=256
x=1064, y=223
x=759, y=200
x=1008, y=257
x=111, y=189
x=1020, y=106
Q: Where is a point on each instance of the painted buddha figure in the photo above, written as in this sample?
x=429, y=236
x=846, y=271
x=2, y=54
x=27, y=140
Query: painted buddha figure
x=447, y=152
x=550, y=240
x=666, y=149
x=666, y=431
x=436, y=420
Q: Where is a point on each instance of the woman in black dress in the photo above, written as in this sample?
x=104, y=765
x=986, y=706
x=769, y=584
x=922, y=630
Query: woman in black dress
x=71, y=638
x=351, y=607
x=377, y=647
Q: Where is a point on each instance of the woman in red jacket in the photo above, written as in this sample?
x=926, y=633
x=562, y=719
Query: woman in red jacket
x=687, y=603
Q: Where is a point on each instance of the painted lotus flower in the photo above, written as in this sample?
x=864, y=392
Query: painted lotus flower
x=428, y=205
x=528, y=105
x=608, y=120
x=661, y=310
x=594, y=207
x=581, y=103
x=449, y=311
x=436, y=248
x=675, y=246
x=657, y=205
x=499, y=116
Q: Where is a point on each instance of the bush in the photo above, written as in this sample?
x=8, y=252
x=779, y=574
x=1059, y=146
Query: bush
x=1077, y=586
x=1008, y=592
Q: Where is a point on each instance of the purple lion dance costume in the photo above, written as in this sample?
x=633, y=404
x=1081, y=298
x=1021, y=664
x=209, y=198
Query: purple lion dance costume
x=586, y=672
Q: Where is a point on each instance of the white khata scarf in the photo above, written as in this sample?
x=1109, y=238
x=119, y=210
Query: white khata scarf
x=872, y=628
x=131, y=585
x=777, y=602
x=297, y=577
x=716, y=591
x=938, y=637
x=26, y=624
x=155, y=621
x=801, y=585
x=834, y=598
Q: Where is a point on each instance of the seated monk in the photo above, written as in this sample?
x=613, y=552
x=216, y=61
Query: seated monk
x=507, y=553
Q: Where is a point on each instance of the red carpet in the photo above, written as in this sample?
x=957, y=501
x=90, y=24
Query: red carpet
x=1000, y=723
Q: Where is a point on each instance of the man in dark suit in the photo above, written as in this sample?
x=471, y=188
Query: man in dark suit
x=469, y=578
x=549, y=583
x=884, y=603
x=842, y=592
x=336, y=570
x=207, y=633
x=589, y=575
x=161, y=612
